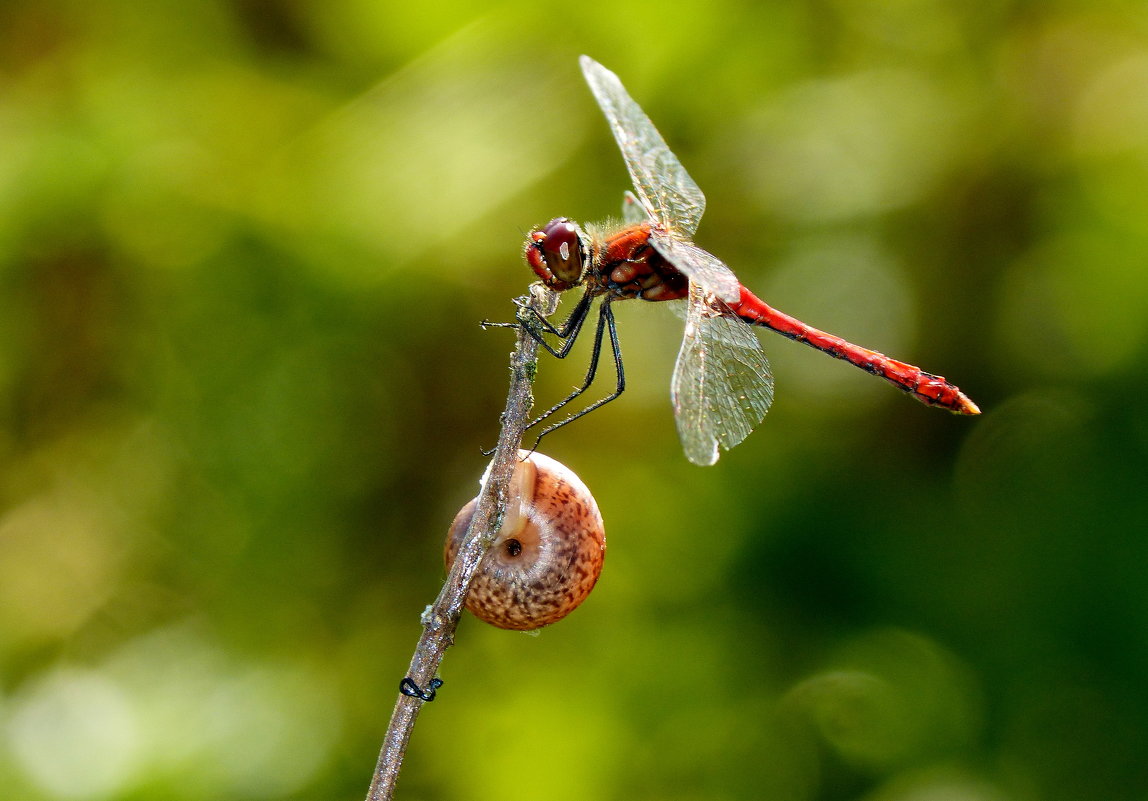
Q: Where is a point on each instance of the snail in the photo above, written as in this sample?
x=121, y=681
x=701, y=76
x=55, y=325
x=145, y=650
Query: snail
x=547, y=555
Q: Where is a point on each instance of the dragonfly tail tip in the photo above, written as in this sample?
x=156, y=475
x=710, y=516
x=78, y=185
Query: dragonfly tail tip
x=965, y=405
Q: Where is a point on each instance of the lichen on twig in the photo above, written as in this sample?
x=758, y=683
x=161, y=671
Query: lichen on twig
x=441, y=618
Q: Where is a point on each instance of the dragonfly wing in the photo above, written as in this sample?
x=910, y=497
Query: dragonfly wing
x=668, y=193
x=700, y=266
x=633, y=212
x=722, y=386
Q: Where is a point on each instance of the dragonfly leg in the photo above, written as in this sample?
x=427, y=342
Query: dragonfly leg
x=537, y=326
x=605, y=324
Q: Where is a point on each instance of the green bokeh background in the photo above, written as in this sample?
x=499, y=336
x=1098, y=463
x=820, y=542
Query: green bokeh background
x=244, y=250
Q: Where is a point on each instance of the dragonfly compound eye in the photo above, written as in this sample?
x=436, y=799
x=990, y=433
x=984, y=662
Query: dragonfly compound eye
x=557, y=253
x=547, y=555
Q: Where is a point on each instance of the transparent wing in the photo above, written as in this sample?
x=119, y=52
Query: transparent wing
x=669, y=195
x=722, y=386
x=700, y=266
x=666, y=195
x=632, y=211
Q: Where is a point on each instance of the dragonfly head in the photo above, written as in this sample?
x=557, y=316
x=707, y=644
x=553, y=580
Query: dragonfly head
x=558, y=254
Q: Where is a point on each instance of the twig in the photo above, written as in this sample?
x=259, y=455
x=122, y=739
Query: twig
x=441, y=619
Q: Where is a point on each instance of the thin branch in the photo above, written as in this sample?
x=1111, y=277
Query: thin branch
x=441, y=618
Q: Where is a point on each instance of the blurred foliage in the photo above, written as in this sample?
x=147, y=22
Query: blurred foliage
x=244, y=248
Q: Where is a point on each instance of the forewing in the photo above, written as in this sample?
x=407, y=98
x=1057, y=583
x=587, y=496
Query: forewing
x=667, y=191
x=722, y=386
x=633, y=213
x=700, y=266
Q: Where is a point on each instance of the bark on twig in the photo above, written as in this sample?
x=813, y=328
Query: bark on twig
x=441, y=618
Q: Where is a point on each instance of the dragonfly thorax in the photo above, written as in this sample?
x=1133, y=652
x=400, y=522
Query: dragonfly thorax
x=558, y=254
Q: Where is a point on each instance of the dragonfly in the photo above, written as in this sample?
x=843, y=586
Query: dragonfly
x=722, y=386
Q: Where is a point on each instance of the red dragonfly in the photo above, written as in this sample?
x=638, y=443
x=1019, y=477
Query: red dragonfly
x=722, y=386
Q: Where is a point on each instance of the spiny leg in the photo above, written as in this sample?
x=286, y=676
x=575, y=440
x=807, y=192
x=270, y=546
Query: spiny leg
x=536, y=325
x=605, y=323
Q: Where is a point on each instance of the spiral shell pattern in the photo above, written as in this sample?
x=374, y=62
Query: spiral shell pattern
x=547, y=555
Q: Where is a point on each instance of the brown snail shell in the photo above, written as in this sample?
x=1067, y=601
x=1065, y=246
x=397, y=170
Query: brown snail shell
x=547, y=555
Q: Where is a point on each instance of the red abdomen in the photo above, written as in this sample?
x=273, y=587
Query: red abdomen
x=932, y=390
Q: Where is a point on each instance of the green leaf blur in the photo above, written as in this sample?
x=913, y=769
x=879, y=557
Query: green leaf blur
x=244, y=250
